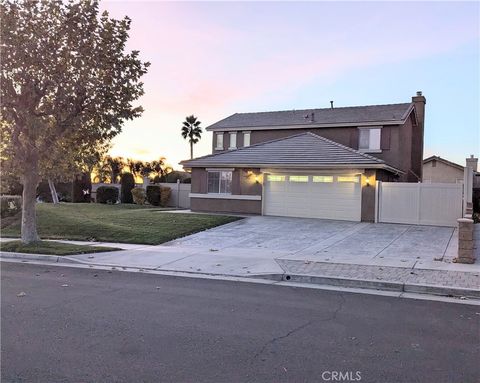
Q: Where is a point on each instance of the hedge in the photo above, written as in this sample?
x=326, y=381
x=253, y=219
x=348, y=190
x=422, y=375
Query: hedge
x=127, y=182
x=64, y=191
x=139, y=195
x=10, y=205
x=107, y=194
x=158, y=195
x=82, y=188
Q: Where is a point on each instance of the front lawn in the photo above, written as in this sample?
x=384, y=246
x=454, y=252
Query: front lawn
x=52, y=248
x=114, y=223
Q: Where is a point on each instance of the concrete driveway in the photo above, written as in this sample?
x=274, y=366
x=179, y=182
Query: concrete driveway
x=257, y=245
x=327, y=240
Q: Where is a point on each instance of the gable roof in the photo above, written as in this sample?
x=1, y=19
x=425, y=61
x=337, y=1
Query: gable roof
x=345, y=116
x=305, y=150
x=446, y=162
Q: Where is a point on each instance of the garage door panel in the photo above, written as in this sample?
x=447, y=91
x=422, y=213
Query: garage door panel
x=330, y=200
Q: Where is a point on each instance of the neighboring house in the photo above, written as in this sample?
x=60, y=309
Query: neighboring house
x=320, y=163
x=437, y=169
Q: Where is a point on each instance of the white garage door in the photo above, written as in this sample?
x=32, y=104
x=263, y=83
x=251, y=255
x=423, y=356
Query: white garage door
x=313, y=196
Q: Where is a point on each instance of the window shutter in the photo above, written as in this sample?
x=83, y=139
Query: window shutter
x=385, y=138
x=354, y=139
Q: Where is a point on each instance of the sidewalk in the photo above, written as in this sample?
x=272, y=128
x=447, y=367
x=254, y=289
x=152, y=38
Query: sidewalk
x=439, y=277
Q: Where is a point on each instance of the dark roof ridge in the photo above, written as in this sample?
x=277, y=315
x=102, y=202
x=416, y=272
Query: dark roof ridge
x=309, y=109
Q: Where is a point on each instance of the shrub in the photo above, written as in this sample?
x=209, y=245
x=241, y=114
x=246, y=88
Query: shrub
x=127, y=184
x=164, y=195
x=153, y=195
x=64, y=191
x=10, y=205
x=139, y=196
x=158, y=195
x=82, y=188
x=107, y=194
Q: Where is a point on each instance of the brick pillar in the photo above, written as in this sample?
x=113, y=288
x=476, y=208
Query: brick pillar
x=465, y=241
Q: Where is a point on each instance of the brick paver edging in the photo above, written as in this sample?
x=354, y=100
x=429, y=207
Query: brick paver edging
x=444, y=282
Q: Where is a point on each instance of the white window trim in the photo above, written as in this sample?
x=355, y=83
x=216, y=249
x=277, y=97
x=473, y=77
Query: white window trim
x=369, y=150
x=217, y=146
x=226, y=196
x=233, y=139
x=220, y=169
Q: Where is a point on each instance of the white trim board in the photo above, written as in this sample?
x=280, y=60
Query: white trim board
x=226, y=196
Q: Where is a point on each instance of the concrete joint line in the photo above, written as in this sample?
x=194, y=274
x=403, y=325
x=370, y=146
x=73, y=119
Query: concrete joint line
x=391, y=242
x=448, y=244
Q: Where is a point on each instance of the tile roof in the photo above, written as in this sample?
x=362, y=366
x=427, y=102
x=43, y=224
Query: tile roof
x=305, y=150
x=438, y=158
x=345, y=115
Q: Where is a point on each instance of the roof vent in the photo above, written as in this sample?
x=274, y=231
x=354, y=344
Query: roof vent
x=331, y=104
x=312, y=117
x=419, y=92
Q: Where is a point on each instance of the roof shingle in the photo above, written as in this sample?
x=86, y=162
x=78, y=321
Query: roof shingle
x=301, y=150
x=348, y=115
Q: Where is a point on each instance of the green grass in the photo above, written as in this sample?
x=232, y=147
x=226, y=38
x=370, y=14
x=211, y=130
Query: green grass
x=114, y=223
x=52, y=248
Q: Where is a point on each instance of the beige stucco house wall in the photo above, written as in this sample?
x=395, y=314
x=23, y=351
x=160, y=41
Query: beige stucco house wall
x=439, y=170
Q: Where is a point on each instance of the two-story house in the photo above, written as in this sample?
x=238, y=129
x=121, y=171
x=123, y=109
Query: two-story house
x=318, y=163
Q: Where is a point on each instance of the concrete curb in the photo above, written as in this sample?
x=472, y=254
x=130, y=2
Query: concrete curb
x=38, y=257
x=383, y=285
x=441, y=290
x=400, y=287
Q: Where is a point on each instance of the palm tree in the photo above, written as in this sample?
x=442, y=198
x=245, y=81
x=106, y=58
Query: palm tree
x=136, y=167
x=191, y=129
x=159, y=168
x=116, y=165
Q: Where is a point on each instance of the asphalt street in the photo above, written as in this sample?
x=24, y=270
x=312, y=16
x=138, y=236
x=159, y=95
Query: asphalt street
x=85, y=325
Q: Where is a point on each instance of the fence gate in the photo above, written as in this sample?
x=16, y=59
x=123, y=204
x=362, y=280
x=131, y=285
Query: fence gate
x=419, y=203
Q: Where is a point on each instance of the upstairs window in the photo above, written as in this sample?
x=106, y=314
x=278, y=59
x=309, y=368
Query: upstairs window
x=369, y=139
x=246, y=138
x=220, y=182
x=233, y=140
x=219, y=145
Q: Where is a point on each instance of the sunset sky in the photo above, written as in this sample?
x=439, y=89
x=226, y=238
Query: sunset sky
x=213, y=59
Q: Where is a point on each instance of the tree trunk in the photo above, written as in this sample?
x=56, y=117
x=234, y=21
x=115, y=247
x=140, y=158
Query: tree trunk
x=29, y=198
x=53, y=191
x=191, y=150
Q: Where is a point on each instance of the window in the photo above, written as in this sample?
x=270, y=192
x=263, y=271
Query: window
x=322, y=178
x=298, y=178
x=233, y=140
x=347, y=179
x=246, y=138
x=220, y=182
x=434, y=163
x=369, y=139
x=274, y=178
x=219, y=145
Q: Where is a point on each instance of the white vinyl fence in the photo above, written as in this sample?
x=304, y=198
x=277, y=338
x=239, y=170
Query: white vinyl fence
x=419, y=203
x=179, y=196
